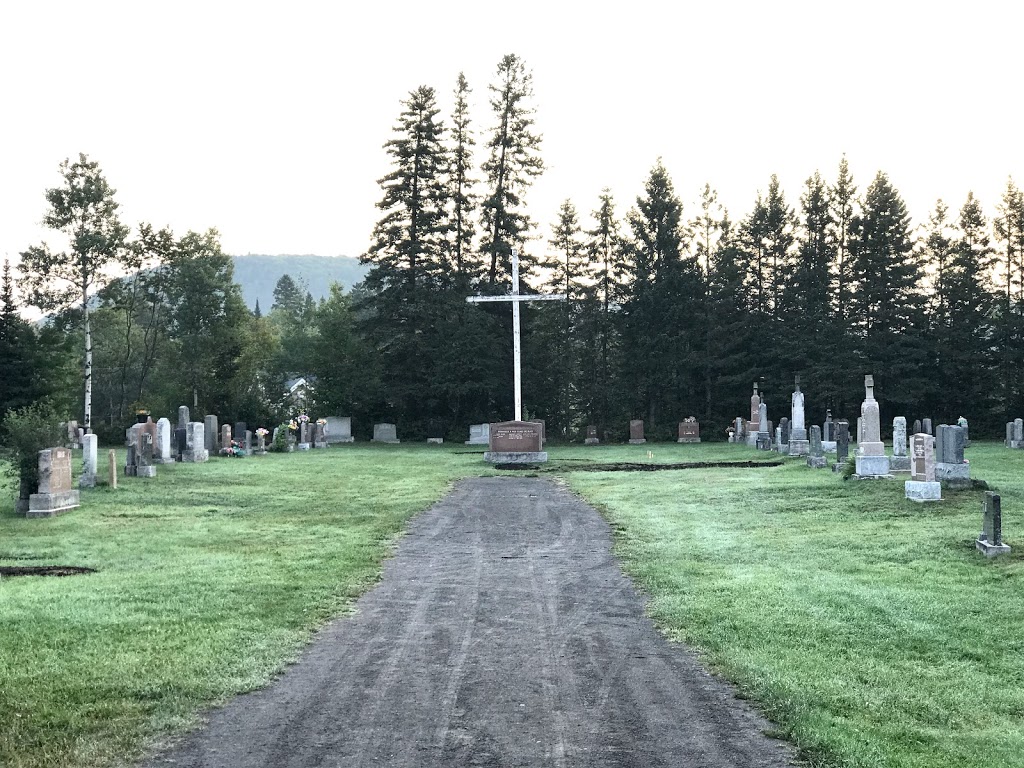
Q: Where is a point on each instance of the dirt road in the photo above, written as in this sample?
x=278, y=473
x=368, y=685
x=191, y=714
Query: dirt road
x=502, y=634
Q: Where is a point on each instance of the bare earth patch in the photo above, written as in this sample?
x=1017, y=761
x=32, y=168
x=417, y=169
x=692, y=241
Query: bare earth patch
x=502, y=634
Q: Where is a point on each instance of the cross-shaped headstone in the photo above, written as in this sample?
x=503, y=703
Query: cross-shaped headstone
x=515, y=297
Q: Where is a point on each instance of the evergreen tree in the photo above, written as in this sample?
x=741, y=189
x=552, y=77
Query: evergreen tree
x=659, y=317
x=768, y=235
x=807, y=342
x=971, y=366
x=732, y=328
x=841, y=203
x=553, y=353
x=19, y=382
x=408, y=242
x=512, y=164
x=463, y=201
x=1009, y=230
x=888, y=303
x=597, y=341
x=409, y=279
x=707, y=229
x=85, y=212
x=288, y=298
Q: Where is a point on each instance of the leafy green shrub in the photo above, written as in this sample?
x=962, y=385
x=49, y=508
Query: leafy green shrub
x=849, y=468
x=280, y=442
x=25, y=432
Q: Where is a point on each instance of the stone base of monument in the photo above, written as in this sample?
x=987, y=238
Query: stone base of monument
x=752, y=439
x=168, y=460
x=688, y=440
x=389, y=442
x=899, y=464
x=828, y=446
x=641, y=441
x=991, y=550
x=799, y=447
x=320, y=445
x=872, y=467
x=516, y=457
x=303, y=446
x=919, y=491
x=87, y=481
x=591, y=441
x=1016, y=444
x=435, y=441
x=783, y=448
x=763, y=442
x=953, y=475
x=817, y=462
x=51, y=504
x=145, y=471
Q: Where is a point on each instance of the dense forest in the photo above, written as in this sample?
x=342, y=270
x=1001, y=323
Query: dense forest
x=672, y=310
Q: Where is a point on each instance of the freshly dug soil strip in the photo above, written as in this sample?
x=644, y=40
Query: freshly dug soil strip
x=636, y=467
x=503, y=634
x=43, y=570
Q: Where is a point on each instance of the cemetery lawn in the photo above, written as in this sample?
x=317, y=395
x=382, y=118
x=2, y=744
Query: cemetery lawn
x=867, y=626
x=209, y=579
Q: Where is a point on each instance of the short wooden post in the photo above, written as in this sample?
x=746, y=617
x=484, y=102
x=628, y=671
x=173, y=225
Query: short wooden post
x=113, y=469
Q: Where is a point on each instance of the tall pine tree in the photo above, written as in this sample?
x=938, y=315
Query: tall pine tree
x=512, y=164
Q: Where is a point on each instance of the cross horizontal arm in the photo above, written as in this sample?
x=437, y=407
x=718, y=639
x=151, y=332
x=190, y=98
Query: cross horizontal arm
x=521, y=297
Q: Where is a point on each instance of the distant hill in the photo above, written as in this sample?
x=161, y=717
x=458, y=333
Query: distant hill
x=258, y=274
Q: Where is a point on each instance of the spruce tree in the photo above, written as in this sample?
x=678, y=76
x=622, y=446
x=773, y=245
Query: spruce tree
x=408, y=241
x=971, y=364
x=1009, y=231
x=553, y=355
x=598, y=337
x=463, y=201
x=659, y=315
x=888, y=303
x=512, y=164
x=707, y=229
x=807, y=343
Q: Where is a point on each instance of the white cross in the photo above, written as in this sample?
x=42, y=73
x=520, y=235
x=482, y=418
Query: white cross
x=515, y=297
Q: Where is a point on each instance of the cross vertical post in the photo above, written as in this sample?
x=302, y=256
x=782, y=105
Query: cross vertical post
x=515, y=297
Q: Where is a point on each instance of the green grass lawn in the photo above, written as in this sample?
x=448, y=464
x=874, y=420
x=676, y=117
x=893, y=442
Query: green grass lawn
x=866, y=625
x=210, y=577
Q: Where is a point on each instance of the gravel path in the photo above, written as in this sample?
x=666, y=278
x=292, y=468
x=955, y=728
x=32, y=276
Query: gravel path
x=502, y=634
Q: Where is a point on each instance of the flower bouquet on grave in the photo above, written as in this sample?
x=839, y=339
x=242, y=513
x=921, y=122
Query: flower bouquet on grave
x=322, y=422
x=262, y=432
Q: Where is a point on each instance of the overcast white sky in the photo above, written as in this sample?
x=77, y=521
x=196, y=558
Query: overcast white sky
x=266, y=120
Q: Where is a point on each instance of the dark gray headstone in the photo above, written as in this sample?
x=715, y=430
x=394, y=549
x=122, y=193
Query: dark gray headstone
x=829, y=430
x=180, y=443
x=784, y=424
x=917, y=427
x=842, y=440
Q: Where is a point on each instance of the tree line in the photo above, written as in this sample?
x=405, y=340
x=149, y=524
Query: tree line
x=672, y=311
